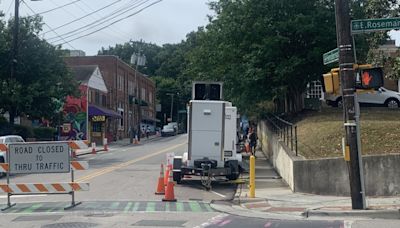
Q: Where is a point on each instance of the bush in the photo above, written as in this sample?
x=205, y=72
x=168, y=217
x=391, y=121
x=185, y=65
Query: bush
x=44, y=133
x=8, y=129
x=24, y=131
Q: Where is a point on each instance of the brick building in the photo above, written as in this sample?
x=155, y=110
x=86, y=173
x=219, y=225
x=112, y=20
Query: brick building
x=129, y=93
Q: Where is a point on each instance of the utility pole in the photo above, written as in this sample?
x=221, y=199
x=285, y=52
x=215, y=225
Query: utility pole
x=172, y=103
x=347, y=80
x=14, y=58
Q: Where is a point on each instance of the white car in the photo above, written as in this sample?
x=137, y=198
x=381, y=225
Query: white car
x=381, y=97
x=168, y=130
x=8, y=139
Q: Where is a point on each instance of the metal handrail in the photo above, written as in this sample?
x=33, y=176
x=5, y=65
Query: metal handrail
x=284, y=130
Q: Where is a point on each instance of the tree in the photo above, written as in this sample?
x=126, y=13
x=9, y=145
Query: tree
x=41, y=79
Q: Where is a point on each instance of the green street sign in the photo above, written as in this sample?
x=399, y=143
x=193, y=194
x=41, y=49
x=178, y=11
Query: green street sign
x=370, y=25
x=331, y=56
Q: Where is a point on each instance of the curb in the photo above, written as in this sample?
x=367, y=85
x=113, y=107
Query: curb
x=240, y=211
x=372, y=214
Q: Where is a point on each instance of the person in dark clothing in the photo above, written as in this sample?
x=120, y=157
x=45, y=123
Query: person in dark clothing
x=253, y=141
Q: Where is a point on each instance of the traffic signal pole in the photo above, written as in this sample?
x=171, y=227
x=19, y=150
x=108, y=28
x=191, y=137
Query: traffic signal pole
x=347, y=79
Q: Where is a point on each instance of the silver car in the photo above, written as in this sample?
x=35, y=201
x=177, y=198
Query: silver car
x=381, y=97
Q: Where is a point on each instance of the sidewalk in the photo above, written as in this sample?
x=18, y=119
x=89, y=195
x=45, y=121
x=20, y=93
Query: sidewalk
x=274, y=199
x=119, y=143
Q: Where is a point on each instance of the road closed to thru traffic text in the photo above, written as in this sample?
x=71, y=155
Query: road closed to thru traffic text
x=48, y=157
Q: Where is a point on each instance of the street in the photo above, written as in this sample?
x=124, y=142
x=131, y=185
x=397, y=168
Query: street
x=122, y=185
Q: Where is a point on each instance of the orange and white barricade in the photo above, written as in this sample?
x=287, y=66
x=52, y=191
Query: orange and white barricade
x=44, y=188
x=76, y=145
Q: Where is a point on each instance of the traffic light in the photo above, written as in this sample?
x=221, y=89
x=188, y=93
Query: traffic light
x=371, y=78
x=331, y=81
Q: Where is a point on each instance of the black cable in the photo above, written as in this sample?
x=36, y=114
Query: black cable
x=66, y=42
x=58, y=7
x=115, y=22
x=77, y=19
x=98, y=22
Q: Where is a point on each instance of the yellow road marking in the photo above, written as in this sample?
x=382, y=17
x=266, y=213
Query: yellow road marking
x=122, y=165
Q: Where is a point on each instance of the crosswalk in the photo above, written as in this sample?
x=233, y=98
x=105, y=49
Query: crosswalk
x=111, y=206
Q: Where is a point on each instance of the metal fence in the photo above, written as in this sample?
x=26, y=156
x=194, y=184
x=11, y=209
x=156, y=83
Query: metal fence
x=285, y=130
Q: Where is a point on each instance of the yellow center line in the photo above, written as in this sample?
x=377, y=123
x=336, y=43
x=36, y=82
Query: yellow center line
x=124, y=164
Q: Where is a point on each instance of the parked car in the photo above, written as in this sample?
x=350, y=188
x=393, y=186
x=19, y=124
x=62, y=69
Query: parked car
x=379, y=97
x=168, y=130
x=8, y=139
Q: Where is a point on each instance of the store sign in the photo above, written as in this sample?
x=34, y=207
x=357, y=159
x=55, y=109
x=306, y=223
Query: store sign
x=98, y=118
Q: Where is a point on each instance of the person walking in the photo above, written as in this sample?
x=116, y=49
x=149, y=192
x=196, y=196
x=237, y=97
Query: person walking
x=147, y=132
x=253, y=141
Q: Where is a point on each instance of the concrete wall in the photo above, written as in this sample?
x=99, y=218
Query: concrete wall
x=329, y=176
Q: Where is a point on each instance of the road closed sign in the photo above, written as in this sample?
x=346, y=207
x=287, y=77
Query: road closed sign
x=48, y=157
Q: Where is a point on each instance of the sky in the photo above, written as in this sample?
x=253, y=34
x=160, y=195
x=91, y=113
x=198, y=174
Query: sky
x=167, y=21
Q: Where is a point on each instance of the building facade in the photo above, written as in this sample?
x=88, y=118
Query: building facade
x=129, y=93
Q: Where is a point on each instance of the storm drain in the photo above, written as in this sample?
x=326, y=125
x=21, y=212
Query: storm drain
x=166, y=223
x=70, y=225
x=28, y=218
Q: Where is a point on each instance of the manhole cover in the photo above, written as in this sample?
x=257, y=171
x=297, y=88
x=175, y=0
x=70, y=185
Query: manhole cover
x=167, y=223
x=70, y=225
x=37, y=218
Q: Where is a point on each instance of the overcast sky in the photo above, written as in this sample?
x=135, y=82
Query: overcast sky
x=165, y=22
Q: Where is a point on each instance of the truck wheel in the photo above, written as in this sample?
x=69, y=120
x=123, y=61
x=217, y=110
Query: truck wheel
x=177, y=177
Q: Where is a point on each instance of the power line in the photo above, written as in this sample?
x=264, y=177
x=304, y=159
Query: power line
x=115, y=21
x=80, y=18
x=58, y=7
x=9, y=7
x=66, y=42
x=96, y=23
x=115, y=29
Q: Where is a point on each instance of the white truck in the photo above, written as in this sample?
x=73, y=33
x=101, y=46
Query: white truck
x=212, y=142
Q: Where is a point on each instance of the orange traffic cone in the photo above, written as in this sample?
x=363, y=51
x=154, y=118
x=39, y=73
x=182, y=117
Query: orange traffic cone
x=169, y=190
x=160, y=186
x=166, y=175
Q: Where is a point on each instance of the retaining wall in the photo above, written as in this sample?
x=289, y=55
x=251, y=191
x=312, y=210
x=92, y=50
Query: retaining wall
x=329, y=176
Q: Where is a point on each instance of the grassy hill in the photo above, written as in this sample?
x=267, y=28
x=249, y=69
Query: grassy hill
x=320, y=133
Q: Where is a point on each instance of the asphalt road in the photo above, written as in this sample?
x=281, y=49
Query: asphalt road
x=122, y=185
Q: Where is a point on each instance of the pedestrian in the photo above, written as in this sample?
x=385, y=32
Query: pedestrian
x=147, y=131
x=252, y=141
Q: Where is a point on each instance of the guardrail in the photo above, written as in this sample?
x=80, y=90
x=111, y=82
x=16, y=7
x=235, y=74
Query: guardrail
x=285, y=130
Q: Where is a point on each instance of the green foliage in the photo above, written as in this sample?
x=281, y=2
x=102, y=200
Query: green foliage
x=44, y=133
x=13, y=129
x=41, y=77
x=264, y=51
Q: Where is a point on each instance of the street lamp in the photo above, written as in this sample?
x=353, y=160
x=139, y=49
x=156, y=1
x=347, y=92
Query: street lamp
x=138, y=60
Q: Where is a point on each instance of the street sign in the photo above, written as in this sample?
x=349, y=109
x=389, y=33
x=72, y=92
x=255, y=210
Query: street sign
x=48, y=157
x=331, y=56
x=370, y=25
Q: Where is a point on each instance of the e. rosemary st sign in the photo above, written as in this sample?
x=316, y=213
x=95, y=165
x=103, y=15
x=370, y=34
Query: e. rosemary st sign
x=371, y=25
x=49, y=157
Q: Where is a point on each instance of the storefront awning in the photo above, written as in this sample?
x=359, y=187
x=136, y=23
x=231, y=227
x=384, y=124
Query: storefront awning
x=100, y=111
